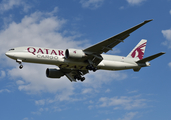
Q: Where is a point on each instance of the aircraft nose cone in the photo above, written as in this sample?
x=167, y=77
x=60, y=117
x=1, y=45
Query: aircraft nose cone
x=9, y=54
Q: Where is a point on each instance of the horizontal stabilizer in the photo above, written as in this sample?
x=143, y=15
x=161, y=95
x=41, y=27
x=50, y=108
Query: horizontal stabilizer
x=147, y=59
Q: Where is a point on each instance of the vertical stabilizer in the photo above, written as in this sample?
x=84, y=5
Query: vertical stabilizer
x=138, y=51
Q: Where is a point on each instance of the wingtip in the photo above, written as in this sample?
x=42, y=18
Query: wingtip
x=163, y=52
x=148, y=20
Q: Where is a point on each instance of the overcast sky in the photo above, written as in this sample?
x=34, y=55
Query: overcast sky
x=105, y=95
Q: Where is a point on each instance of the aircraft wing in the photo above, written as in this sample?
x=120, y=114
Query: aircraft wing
x=108, y=44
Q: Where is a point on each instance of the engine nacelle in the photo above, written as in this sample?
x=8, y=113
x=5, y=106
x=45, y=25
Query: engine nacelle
x=54, y=73
x=74, y=53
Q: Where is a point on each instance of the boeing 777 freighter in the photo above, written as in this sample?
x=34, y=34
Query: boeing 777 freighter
x=75, y=63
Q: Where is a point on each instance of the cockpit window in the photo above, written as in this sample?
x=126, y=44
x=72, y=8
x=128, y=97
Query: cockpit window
x=11, y=49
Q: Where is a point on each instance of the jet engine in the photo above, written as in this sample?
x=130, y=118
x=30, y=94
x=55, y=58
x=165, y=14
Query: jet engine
x=74, y=53
x=54, y=73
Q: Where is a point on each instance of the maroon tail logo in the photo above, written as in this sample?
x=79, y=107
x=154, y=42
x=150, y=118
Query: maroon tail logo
x=140, y=51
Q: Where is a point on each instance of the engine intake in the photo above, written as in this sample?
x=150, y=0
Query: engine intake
x=54, y=73
x=74, y=53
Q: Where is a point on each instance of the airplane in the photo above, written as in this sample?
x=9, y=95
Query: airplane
x=75, y=63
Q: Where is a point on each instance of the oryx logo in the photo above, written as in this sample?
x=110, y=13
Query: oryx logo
x=75, y=52
x=139, y=51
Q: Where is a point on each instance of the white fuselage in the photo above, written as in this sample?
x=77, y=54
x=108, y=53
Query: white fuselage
x=57, y=57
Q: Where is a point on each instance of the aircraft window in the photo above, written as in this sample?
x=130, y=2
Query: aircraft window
x=11, y=49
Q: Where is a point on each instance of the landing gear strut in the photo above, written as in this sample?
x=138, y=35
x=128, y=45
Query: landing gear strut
x=20, y=62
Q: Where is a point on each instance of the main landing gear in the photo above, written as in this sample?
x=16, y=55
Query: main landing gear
x=20, y=62
x=91, y=67
x=79, y=76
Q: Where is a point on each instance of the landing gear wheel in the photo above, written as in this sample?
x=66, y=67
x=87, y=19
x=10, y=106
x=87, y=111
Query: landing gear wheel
x=91, y=67
x=94, y=69
x=79, y=78
x=82, y=79
x=21, y=66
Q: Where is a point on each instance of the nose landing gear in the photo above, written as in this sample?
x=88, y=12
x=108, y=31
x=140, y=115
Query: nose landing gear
x=20, y=62
x=21, y=66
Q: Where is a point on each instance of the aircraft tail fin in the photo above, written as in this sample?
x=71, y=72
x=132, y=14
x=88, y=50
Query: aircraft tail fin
x=138, y=51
